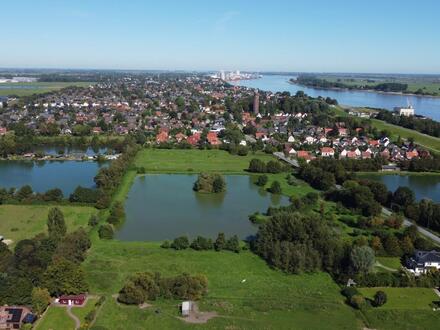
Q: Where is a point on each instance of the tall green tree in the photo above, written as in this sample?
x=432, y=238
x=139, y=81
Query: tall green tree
x=56, y=225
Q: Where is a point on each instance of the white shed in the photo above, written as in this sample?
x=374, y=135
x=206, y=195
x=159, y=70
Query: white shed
x=186, y=308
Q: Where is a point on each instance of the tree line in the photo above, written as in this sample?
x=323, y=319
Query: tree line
x=43, y=266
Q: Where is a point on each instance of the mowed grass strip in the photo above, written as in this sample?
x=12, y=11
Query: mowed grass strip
x=55, y=318
x=19, y=222
x=195, y=161
x=242, y=289
x=404, y=298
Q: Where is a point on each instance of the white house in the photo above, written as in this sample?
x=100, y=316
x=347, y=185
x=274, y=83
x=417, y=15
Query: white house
x=291, y=139
x=422, y=261
x=327, y=152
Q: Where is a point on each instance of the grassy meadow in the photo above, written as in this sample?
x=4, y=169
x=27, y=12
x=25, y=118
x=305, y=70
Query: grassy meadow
x=406, y=308
x=26, y=89
x=243, y=290
x=195, y=161
x=18, y=222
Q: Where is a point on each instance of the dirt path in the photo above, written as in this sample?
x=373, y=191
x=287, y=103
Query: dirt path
x=73, y=317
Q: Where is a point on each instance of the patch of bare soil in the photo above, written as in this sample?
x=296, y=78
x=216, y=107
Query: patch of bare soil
x=144, y=305
x=197, y=317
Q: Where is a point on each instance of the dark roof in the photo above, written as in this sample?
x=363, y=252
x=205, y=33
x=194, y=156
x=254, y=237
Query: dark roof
x=427, y=256
x=16, y=314
x=29, y=318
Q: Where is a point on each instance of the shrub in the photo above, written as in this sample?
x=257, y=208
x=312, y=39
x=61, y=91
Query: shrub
x=180, y=243
x=275, y=188
x=106, y=231
x=202, y=243
x=380, y=298
x=165, y=245
x=262, y=180
x=357, y=301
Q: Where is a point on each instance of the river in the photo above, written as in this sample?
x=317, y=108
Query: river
x=164, y=206
x=424, y=105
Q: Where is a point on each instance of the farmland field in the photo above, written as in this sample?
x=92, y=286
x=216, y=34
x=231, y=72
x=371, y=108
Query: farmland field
x=26, y=89
x=18, y=222
x=243, y=290
x=195, y=161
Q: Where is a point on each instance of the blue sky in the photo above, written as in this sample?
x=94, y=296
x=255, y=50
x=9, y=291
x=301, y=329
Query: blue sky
x=314, y=35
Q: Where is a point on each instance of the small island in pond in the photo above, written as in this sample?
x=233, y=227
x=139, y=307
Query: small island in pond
x=210, y=183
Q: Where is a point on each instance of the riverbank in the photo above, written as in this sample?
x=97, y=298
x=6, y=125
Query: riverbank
x=348, y=89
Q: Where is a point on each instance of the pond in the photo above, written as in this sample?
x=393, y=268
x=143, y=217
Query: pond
x=424, y=186
x=45, y=175
x=164, y=206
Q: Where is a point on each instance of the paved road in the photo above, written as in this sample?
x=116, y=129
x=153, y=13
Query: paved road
x=407, y=223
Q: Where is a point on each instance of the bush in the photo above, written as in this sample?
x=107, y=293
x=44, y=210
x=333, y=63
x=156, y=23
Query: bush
x=220, y=242
x=106, y=231
x=262, y=180
x=202, y=243
x=357, y=301
x=180, y=243
x=275, y=188
x=165, y=245
x=349, y=292
x=380, y=298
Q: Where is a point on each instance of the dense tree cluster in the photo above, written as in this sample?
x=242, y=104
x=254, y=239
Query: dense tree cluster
x=296, y=243
x=272, y=166
x=109, y=178
x=357, y=197
x=50, y=263
x=210, y=183
x=201, y=243
x=148, y=286
x=26, y=195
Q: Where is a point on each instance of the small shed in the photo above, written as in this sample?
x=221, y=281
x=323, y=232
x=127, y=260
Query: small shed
x=186, y=308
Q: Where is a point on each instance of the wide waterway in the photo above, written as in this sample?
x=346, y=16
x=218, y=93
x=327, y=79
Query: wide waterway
x=45, y=175
x=423, y=186
x=164, y=206
x=424, y=105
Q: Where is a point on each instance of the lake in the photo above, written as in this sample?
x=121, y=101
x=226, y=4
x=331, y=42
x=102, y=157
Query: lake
x=424, y=186
x=45, y=175
x=164, y=206
x=424, y=105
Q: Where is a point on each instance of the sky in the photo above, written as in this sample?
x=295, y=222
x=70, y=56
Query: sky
x=387, y=36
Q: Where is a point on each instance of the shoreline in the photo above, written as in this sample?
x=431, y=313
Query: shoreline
x=365, y=90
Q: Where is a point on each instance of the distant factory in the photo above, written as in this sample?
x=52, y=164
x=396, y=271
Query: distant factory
x=235, y=75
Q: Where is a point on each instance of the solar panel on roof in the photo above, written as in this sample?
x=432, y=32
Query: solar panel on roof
x=16, y=314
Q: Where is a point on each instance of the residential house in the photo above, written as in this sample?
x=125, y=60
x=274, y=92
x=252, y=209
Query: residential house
x=327, y=152
x=422, y=261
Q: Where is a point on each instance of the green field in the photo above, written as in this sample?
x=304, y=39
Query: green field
x=428, y=87
x=429, y=142
x=406, y=308
x=26, y=89
x=55, y=318
x=390, y=262
x=18, y=222
x=404, y=298
x=196, y=161
x=268, y=299
x=81, y=312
